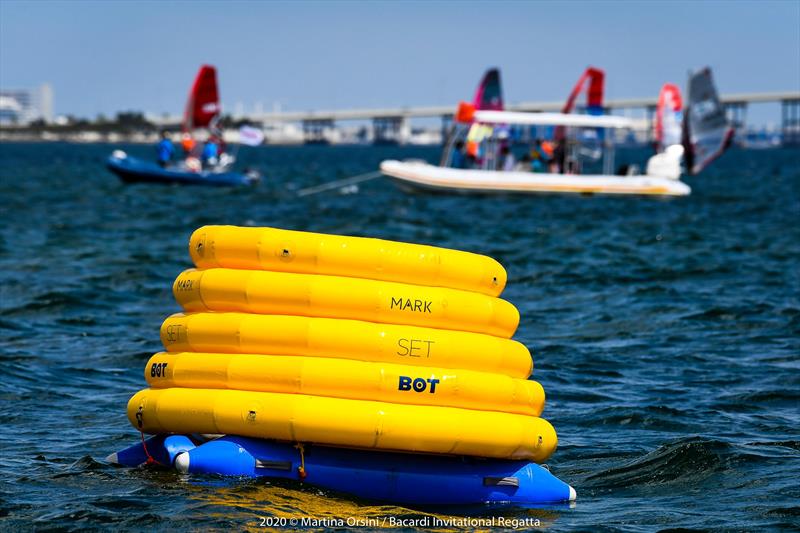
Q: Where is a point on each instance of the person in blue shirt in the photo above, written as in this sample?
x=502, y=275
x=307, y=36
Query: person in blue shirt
x=457, y=160
x=210, y=152
x=165, y=150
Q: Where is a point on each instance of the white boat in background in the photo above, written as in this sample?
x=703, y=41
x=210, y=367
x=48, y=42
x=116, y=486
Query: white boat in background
x=587, y=150
x=416, y=174
x=423, y=137
x=280, y=133
x=662, y=177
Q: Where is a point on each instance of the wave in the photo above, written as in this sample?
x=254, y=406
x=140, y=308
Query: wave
x=57, y=300
x=683, y=462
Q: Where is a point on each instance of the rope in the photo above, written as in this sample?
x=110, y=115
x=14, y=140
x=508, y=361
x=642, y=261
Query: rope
x=301, y=470
x=139, y=421
x=336, y=184
x=150, y=459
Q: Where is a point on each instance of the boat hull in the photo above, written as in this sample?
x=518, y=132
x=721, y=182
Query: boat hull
x=134, y=170
x=399, y=478
x=424, y=176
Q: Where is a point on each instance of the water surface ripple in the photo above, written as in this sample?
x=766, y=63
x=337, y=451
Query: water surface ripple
x=665, y=332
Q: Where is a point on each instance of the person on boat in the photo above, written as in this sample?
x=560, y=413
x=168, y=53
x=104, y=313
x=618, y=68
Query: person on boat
x=165, y=150
x=210, y=154
x=524, y=164
x=508, y=159
x=458, y=160
x=547, y=149
x=187, y=143
x=559, y=156
x=537, y=164
x=539, y=157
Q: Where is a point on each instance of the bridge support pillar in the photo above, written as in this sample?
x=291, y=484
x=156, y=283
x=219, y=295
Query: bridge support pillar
x=447, y=126
x=390, y=130
x=314, y=130
x=650, y=134
x=737, y=115
x=790, y=122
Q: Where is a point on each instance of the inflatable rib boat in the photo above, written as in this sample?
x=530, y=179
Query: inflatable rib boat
x=420, y=175
x=134, y=170
x=479, y=154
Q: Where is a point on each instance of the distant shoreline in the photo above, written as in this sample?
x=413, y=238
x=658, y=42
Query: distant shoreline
x=81, y=137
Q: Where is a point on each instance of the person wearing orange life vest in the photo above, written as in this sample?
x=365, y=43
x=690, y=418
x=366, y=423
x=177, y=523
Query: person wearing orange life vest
x=187, y=143
x=541, y=155
x=547, y=149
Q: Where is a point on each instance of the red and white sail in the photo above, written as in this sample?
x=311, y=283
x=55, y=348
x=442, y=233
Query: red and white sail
x=592, y=83
x=203, y=104
x=669, y=117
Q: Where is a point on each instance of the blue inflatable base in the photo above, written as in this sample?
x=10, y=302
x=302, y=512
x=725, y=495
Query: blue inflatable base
x=162, y=449
x=399, y=478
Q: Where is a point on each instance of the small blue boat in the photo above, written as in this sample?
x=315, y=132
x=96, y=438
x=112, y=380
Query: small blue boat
x=133, y=170
x=399, y=478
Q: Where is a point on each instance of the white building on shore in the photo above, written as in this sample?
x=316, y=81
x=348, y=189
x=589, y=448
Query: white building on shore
x=23, y=106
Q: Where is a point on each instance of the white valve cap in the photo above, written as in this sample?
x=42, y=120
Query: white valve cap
x=182, y=463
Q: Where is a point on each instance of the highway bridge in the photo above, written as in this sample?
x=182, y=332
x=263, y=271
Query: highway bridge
x=389, y=122
x=447, y=111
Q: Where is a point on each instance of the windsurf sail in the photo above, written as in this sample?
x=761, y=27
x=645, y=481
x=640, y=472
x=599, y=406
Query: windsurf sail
x=707, y=133
x=669, y=117
x=203, y=104
x=592, y=82
x=488, y=96
x=490, y=93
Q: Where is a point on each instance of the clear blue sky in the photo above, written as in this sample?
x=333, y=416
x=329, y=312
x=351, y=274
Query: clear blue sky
x=102, y=57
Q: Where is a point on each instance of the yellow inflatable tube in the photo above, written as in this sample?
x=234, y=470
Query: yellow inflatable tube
x=253, y=291
x=342, y=378
x=313, y=253
x=344, y=339
x=339, y=422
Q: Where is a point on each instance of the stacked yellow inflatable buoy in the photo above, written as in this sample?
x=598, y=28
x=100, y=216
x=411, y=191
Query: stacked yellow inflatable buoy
x=344, y=341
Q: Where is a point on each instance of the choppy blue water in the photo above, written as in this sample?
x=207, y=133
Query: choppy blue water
x=665, y=332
